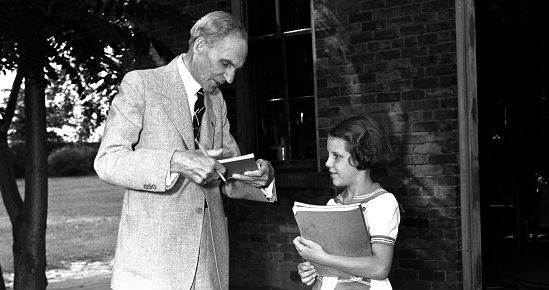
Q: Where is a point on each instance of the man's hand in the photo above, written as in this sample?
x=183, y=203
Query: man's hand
x=194, y=165
x=260, y=178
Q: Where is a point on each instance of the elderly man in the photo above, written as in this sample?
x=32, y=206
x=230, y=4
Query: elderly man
x=165, y=131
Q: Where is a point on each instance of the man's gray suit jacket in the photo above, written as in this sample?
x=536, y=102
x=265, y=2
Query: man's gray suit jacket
x=160, y=229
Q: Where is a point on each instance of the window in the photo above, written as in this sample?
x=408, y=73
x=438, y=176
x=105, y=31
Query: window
x=279, y=79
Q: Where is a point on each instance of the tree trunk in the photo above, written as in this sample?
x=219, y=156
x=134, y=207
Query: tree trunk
x=29, y=231
x=8, y=185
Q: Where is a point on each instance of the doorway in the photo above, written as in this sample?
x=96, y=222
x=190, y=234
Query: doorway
x=513, y=109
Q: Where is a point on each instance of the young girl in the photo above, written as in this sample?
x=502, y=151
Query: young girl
x=355, y=147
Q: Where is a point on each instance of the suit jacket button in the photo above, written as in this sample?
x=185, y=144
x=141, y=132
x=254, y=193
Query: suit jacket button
x=199, y=210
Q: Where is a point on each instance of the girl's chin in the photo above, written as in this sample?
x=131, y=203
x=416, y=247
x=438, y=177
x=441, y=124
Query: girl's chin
x=339, y=183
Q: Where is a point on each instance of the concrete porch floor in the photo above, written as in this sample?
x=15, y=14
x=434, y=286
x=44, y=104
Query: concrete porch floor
x=97, y=282
x=503, y=273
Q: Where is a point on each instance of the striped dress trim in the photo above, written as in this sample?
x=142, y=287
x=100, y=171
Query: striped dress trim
x=363, y=198
x=371, y=195
x=361, y=280
x=382, y=240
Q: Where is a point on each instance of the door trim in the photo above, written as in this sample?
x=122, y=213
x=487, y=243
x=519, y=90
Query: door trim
x=468, y=144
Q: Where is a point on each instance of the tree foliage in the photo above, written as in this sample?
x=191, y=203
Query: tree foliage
x=85, y=40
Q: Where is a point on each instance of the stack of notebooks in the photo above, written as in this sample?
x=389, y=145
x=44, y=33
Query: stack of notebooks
x=339, y=229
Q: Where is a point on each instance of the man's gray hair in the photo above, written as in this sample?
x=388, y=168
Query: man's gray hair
x=216, y=25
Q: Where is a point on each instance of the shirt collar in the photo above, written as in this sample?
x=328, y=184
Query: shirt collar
x=190, y=84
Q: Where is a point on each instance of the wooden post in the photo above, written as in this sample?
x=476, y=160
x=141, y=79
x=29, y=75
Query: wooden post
x=468, y=145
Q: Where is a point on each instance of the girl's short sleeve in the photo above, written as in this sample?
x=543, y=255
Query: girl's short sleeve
x=331, y=202
x=382, y=216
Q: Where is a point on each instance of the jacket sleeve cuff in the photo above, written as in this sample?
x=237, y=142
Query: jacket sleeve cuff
x=268, y=191
x=171, y=178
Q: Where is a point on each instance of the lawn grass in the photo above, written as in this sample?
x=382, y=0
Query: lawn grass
x=83, y=216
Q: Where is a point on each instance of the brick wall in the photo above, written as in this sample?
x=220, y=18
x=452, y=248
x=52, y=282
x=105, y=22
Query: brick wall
x=262, y=254
x=395, y=60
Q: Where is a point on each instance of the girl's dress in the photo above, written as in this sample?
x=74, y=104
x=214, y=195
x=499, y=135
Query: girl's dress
x=382, y=216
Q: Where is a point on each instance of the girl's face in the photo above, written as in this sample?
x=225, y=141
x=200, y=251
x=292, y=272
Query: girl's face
x=341, y=170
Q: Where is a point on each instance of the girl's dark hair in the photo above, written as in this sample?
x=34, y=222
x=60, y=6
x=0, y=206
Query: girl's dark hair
x=367, y=142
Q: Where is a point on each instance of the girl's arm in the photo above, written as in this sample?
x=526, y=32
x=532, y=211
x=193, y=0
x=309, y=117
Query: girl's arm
x=376, y=266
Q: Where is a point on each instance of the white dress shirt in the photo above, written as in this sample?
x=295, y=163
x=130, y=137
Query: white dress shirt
x=191, y=88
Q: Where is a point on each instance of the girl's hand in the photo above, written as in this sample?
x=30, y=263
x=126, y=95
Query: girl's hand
x=310, y=250
x=307, y=273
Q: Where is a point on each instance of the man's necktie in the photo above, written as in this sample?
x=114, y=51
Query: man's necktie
x=197, y=117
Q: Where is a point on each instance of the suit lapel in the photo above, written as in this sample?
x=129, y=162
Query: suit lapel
x=176, y=104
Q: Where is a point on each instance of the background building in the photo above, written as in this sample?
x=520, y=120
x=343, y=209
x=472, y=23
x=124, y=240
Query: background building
x=412, y=65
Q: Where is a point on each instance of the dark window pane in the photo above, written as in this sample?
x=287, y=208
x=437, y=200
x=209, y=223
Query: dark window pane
x=300, y=70
x=295, y=14
x=302, y=126
x=281, y=78
x=267, y=71
x=261, y=17
x=271, y=128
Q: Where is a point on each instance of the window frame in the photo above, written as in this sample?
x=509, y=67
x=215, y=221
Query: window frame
x=246, y=120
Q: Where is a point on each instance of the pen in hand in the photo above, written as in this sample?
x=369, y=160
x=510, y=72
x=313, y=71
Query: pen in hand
x=206, y=153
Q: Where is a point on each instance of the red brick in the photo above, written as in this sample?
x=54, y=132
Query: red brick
x=412, y=30
x=387, y=55
x=400, y=85
x=409, y=9
x=385, y=13
x=374, y=25
x=373, y=4
x=360, y=17
x=413, y=95
x=429, y=104
x=389, y=76
x=428, y=17
x=385, y=34
x=377, y=67
x=361, y=37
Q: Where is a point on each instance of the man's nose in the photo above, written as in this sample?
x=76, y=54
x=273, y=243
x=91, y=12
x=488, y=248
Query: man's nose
x=229, y=75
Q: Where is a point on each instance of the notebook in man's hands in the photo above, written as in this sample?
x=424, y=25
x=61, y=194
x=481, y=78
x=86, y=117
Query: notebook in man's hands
x=239, y=164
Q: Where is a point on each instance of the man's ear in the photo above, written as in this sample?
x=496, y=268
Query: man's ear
x=199, y=45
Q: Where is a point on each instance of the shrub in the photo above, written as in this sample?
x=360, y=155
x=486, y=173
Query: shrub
x=72, y=160
x=18, y=155
x=18, y=152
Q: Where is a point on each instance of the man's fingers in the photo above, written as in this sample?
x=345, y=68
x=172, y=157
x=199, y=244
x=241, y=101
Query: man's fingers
x=257, y=178
x=220, y=168
x=254, y=173
x=214, y=153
